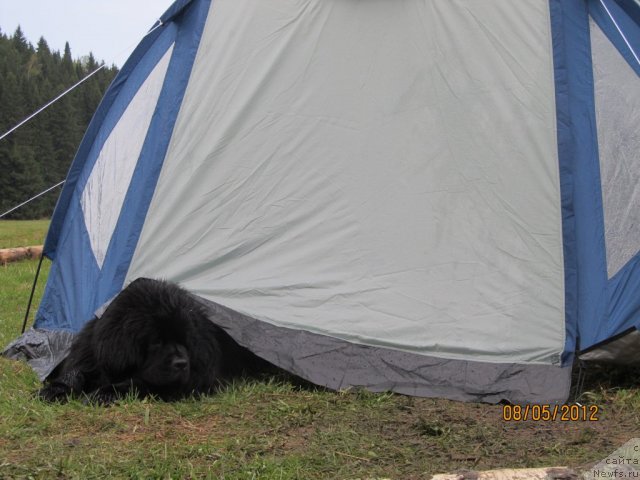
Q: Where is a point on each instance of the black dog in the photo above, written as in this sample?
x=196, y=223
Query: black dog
x=154, y=338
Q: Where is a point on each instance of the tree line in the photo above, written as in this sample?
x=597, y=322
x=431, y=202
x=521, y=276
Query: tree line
x=38, y=154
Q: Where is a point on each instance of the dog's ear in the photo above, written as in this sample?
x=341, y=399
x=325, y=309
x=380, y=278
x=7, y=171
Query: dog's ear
x=118, y=349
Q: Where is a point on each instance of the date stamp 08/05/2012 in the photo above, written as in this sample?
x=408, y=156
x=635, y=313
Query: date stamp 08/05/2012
x=550, y=413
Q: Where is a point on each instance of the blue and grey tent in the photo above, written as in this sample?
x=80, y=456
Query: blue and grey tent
x=433, y=197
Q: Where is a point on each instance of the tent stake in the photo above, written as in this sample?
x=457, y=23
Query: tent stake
x=33, y=290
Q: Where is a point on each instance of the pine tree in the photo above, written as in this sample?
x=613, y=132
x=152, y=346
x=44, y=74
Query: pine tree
x=39, y=153
x=20, y=43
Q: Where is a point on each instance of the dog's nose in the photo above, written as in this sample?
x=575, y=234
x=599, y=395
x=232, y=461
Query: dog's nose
x=179, y=363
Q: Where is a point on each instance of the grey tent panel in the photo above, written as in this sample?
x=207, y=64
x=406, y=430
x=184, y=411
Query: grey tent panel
x=338, y=364
x=383, y=174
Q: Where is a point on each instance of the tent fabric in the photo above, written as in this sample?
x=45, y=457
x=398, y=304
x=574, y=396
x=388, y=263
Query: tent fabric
x=345, y=365
x=111, y=176
x=618, y=19
x=340, y=364
x=621, y=349
x=611, y=303
x=350, y=243
x=573, y=102
x=78, y=284
x=618, y=115
x=424, y=196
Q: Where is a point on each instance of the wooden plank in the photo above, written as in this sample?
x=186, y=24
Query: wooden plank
x=554, y=473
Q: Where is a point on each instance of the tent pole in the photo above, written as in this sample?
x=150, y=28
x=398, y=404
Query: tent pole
x=33, y=290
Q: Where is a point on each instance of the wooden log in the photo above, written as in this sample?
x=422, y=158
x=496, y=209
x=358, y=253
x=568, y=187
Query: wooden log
x=8, y=255
x=555, y=473
x=35, y=251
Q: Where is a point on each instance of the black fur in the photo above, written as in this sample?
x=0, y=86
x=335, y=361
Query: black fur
x=153, y=339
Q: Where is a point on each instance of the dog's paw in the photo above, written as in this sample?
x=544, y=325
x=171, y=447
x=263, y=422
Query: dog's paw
x=54, y=392
x=104, y=396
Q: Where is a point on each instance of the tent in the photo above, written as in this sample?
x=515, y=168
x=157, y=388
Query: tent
x=433, y=197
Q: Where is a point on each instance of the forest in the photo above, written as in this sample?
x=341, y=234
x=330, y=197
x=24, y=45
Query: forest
x=37, y=155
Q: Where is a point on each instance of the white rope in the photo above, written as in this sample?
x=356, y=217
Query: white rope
x=32, y=198
x=53, y=101
x=70, y=89
x=635, y=55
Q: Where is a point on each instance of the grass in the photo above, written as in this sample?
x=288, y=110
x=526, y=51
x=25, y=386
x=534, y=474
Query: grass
x=276, y=428
x=18, y=233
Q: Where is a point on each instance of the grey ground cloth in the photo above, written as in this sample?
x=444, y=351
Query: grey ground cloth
x=43, y=350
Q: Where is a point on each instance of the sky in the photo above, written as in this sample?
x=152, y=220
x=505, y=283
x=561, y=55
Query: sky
x=110, y=29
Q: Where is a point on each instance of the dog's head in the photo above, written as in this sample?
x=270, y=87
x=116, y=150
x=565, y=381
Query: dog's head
x=165, y=364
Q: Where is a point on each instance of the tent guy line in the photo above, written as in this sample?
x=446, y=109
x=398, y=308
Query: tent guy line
x=47, y=105
x=66, y=92
x=624, y=37
x=31, y=199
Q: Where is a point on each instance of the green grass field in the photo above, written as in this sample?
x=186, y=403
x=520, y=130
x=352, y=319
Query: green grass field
x=18, y=233
x=275, y=428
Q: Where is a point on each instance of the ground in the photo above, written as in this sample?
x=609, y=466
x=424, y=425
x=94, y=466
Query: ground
x=277, y=428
